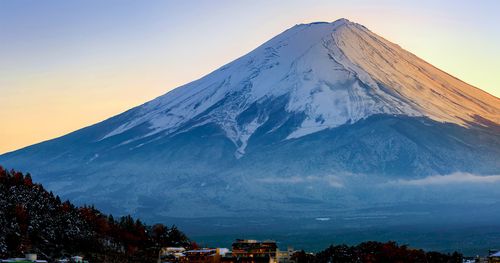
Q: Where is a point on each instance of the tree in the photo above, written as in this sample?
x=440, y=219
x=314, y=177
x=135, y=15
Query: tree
x=33, y=219
x=28, y=181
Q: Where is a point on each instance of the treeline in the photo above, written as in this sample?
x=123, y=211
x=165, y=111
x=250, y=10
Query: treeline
x=35, y=220
x=376, y=252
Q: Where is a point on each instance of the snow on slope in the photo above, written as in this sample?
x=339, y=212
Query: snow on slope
x=333, y=73
x=433, y=92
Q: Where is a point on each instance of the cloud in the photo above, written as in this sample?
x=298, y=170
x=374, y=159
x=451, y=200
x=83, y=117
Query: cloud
x=331, y=180
x=454, y=178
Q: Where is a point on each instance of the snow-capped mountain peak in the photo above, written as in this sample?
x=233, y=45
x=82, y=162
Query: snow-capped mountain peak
x=332, y=73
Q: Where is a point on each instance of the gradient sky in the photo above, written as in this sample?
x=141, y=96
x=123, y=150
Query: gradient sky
x=68, y=64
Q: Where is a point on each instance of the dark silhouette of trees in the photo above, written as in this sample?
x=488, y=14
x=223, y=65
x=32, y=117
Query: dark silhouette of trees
x=303, y=257
x=374, y=252
x=34, y=220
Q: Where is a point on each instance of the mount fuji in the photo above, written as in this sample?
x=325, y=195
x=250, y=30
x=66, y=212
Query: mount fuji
x=323, y=120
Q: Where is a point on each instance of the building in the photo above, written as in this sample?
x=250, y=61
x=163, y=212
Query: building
x=171, y=254
x=252, y=251
x=181, y=255
x=73, y=259
x=494, y=257
x=204, y=255
x=285, y=256
x=29, y=258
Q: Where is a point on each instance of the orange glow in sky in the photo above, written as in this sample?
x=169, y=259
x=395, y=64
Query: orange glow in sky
x=65, y=65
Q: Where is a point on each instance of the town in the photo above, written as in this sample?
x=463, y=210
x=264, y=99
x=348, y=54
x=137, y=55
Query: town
x=267, y=251
x=242, y=251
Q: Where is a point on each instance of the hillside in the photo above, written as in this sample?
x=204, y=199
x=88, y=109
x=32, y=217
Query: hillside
x=34, y=220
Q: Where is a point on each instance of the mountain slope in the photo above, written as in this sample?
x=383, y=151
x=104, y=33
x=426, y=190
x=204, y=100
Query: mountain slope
x=301, y=123
x=332, y=73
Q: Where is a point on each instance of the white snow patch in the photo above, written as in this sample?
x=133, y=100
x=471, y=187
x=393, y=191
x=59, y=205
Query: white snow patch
x=455, y=178
x=94, y=157
x=331, y=180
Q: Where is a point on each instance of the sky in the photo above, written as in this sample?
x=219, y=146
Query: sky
x=65, y=65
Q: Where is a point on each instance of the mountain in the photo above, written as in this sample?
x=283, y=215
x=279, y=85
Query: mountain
x=323, y=119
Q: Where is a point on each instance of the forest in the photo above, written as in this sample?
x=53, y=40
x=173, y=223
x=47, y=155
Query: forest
x=34, y=220
x=374, y=252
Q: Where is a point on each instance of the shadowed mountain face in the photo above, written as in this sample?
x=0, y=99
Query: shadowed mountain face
x=323, y=119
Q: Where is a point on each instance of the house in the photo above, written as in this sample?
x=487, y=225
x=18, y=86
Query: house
x=203, y=255
x=181, y=255
x=73, y=259
x=252, y=251
x=28, y=258
x=494, y=257
x=171, y=254
x=285, y=256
